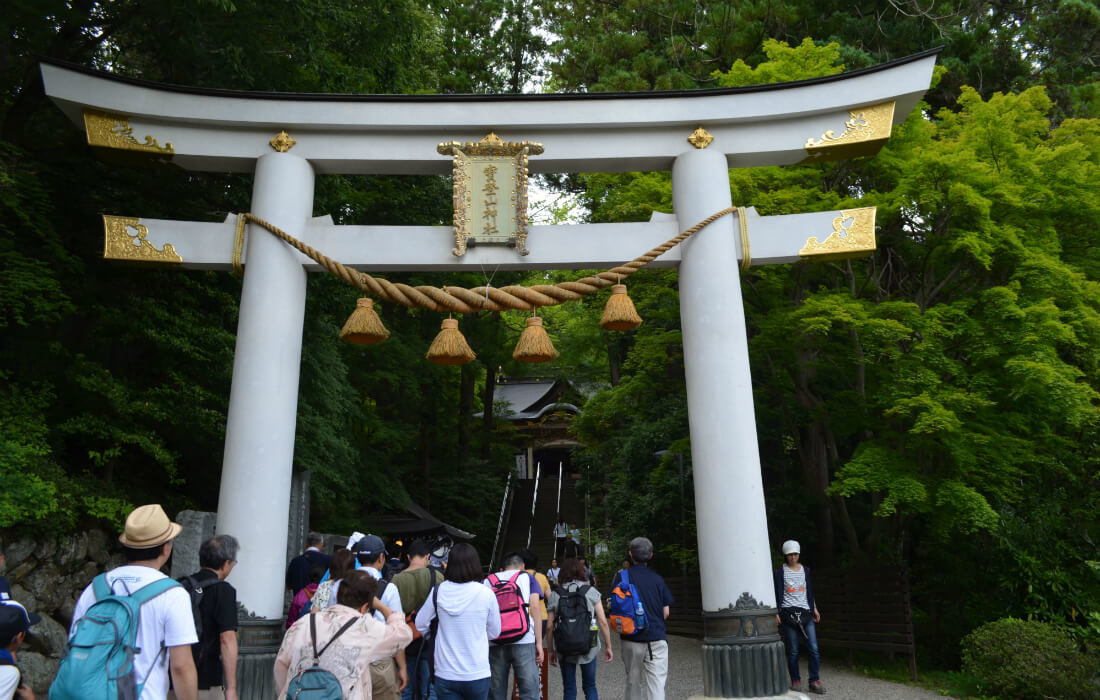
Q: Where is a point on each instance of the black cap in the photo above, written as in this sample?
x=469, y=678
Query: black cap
x=14, y=618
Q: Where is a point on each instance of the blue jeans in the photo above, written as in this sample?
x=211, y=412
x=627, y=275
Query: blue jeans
x=791, y=636
x=520, y=658
x=462, y=690
x=588, y=679
x=424, y=681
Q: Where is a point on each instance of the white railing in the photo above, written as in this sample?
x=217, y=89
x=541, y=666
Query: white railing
x=500, y=521
x=534, y=502
x=557, y=516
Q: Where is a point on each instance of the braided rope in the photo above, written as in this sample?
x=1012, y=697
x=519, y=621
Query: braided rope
x=482, y=298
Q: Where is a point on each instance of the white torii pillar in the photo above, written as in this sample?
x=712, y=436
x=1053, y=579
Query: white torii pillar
x=734, y=558
x=254, y=499
x=828, y=118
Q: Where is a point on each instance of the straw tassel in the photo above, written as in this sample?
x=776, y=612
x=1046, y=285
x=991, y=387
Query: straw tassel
x=534, y=344
x=619, y=314
x=363, y=326
x=450, y=346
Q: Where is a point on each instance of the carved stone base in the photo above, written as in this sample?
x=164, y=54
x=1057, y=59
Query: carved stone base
x=743, y=655
x=259, y=645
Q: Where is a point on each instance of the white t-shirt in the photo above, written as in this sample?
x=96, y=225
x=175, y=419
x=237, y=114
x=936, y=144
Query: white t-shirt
x=166, y=621
x=9, y=681
x=524, y=583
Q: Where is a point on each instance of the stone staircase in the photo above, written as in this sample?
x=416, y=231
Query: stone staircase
x=519, y=521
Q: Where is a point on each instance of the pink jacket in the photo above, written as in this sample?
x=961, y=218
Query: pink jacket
x=350, y=656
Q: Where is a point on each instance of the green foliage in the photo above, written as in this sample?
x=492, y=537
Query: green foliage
x=1023, y=659
x=784, y=64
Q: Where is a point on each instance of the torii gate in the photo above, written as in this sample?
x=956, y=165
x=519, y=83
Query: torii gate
x=215, y=130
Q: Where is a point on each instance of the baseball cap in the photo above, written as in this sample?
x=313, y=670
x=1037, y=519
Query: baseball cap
x=791, y=547
x=14, y=618
x=369, y=546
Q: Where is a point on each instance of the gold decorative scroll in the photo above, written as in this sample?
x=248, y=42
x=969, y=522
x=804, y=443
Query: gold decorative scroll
x=107, y=130
x=490, y=192
x=853, y=235
x=865, y=132
x=126, y=240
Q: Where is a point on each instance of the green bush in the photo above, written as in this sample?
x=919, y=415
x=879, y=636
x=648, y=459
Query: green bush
x=1021, y=659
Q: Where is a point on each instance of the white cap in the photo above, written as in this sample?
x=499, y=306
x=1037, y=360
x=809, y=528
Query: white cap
x=791, y=547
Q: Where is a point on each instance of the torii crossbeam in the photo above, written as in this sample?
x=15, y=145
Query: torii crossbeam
x=285, y=140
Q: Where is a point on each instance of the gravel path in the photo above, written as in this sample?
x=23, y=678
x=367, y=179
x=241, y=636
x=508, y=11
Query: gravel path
x=685, y=679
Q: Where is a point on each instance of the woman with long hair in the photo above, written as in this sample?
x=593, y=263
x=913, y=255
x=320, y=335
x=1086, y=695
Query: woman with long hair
x=349, y=635
x=468, y=617
x=572, y=580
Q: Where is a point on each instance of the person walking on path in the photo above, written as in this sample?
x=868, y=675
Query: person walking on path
x=342, y=563
x=297, y=572
x=216, y=653
x=348, y=653
x=468, y=617
x=572, y=580
x=167, y=625
x=523, y=656
x=645, y=653
x=414, y=584
x=15, y=623
x=798, y=615
x=561, y=531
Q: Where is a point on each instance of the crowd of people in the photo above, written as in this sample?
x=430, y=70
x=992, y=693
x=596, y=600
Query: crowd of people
x=364, y=624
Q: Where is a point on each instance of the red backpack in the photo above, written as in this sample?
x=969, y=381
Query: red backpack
x=514, y=620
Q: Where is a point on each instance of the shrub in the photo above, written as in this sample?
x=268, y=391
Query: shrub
x=1021, y=659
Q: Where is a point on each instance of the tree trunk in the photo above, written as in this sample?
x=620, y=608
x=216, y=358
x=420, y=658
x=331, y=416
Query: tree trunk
x=487, y=414
x=465, y=413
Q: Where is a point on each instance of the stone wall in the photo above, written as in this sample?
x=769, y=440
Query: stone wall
x=47, y=576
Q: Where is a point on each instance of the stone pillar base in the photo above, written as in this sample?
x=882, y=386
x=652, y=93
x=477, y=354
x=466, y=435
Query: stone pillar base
x=259, y=645
x=743, y=656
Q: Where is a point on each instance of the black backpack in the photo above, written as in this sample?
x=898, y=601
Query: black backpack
x=195, y=591
x=573, y=635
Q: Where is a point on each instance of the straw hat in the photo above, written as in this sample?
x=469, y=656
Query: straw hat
x=147, y=527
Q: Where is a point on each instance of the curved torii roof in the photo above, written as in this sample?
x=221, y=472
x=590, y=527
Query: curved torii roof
x=225, y=130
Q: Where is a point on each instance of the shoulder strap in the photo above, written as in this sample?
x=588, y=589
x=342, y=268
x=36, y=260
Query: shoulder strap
x=100, y=587
x=313, y=635
x=382, y=583
x=152, y=590
x=624, y=579
x=192, y=582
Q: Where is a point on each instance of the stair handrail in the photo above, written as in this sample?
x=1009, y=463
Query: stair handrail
x=534, y=502
x=500, y=521
x=558, y=516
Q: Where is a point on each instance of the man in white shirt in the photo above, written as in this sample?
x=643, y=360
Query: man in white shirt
x=167, y=622
x=524, y=656
x=370, y=551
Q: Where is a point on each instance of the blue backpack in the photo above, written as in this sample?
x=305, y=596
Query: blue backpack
x=316, y=683
x=99, y=658
x=627, y=614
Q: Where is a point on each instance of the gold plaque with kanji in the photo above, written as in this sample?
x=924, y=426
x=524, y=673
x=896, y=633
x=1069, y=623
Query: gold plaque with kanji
x=490, y=192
